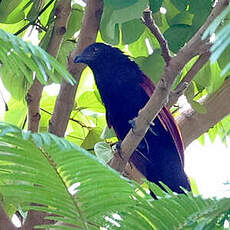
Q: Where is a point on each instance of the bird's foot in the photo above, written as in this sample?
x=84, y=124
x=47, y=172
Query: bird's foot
x=133, y=125
x=116, y=147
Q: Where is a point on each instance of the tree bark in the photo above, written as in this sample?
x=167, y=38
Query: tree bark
x=65, y=99
x=193, y=124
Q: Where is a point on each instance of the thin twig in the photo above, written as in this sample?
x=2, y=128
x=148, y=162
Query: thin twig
x=33, y=22
x=183, y=85
x=150, y=23
x=71, y=119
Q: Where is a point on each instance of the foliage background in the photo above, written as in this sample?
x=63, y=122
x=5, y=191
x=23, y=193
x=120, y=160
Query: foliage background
x=41, y=168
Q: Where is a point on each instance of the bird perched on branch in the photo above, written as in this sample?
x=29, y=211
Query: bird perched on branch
x=124, y=90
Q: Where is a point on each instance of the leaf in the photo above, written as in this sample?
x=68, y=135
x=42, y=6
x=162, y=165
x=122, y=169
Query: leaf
x=108, y=133
x=198, y=107
x=16, y=84
x=103, y=152
x=153, y=65
x=180, y=4
x=155, y=5
x=7, y=7
x=118, y=4
x=139, y=48
x=17, y=112
x=75, y=21
x=111, y=18
x=131, y=31
x=89, y=100
x=175, y=42
x=28, y=59
x=184, y=18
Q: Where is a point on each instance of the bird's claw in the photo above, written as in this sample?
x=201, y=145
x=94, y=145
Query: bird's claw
x=116, y=147
x=133, y=125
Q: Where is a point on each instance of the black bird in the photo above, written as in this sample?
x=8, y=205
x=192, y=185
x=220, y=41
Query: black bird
x=124, y=90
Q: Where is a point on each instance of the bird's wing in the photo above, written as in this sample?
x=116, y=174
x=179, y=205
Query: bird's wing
x=166, y=119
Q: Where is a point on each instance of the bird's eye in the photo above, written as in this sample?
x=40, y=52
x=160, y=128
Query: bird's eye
x=95, y=49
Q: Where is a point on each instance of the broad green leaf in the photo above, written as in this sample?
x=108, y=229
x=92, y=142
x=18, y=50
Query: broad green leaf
x=103, y=152
x=15, y=83
x=198, y=107
x=175, y=42
x=92, y=138
x=75, y=21
x=224, y=59
x=7, y=7
x=111, y=18
x=203, y=77
x=139, y=47
x=131, y=31
x=172, y=11
x=88, y=100
x=17, y=112
x=108, y=133
x=180, y=4
x=118, y=4
x=153, y=65
x=155, y=5
x=184, y=18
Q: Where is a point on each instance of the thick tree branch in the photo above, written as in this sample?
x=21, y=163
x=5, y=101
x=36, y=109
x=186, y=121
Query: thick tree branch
x=65, y=100
x=150, y=23
x=62, y=12
x=193, y=124
x=5, y=222
x=194, y=47
x=182, y=86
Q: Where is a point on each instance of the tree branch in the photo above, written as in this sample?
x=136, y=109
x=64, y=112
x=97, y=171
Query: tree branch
x=193, y=124
x=182, y=86
x=5, y=222
x=65, y=99
x=34, y=94
x=150, y=23
x=194, y=47
x=62, y=12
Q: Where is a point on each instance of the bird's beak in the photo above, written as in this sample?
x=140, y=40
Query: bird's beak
x=78, y=59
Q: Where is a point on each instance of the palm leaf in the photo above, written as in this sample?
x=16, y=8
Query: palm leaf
x=25, y=60
x=77, y=189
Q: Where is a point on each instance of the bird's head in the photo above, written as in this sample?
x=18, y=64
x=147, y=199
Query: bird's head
x=98, y=52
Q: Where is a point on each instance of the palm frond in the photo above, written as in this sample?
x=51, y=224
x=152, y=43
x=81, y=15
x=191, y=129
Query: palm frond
x=76, y=189
x=25, y=60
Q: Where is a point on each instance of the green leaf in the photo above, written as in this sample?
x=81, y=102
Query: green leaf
x=118, y=4
x=111, y=18
x=8, y=7
x=131, y=31
x=16, y=113
x=108, y=133
x=103, y=152
x=182, y=18
x=75, y=21
x=88, y=100
x=198, y=107
x=28, y=59
x=155, y=5
x=139, y=48
x=16, y=84
x=153, y=65
x=180, y=4
x=175, y=42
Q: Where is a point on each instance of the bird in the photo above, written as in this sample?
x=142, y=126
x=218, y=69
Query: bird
x=124, y=90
